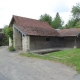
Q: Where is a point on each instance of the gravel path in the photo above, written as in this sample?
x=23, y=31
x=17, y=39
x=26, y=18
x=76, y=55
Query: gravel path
x=15, y=67
x=76, y=77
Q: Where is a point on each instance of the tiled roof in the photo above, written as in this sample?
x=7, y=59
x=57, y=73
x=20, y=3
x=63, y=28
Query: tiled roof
x=40, y=28
x=33, y=27
x=69, y=32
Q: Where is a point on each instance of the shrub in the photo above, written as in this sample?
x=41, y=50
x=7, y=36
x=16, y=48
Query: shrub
x=11, y=48
x=8, y=33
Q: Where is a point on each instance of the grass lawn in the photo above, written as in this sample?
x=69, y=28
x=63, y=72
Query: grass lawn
x=68, y=57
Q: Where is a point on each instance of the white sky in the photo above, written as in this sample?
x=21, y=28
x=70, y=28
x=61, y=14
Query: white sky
x=34, y=8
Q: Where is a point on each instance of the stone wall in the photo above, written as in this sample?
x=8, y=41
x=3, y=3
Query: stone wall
x=69, y=42
x=66, y=42
x=26, y=43
x=17, y=38
x=37, y=42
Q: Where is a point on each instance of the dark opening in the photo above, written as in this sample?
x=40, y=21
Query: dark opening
x=47, y=39
x=61, y=38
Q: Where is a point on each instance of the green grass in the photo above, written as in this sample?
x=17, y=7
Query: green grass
x=68, y=57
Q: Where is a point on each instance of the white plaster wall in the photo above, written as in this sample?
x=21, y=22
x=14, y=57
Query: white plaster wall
x=10, y=43
x=26, y=43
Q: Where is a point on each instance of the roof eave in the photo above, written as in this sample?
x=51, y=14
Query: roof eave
x=19, y=29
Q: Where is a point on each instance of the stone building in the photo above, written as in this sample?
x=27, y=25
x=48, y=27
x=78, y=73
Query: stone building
x=30, y=34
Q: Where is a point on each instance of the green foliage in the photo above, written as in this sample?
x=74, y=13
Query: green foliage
x=72, y=23
x=11, y=48
x=46, y=17
x=57, y=22
x=76, y=11
x=68, y=57
x=77, y=25
x=6, y=39
x=8, y=31
x=5, y=30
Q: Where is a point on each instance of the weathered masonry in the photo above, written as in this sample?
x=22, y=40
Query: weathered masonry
x=30, y=34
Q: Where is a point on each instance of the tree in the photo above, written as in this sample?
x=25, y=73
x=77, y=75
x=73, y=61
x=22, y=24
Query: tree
x=76, y=11
x=8, y=31
x=5, y=30
x=57, y=22
x=78, y=24
x=72, y=23
x=46, y=17
x=6, y=39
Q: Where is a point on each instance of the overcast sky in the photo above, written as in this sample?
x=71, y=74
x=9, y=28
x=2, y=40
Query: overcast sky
x=34, y=8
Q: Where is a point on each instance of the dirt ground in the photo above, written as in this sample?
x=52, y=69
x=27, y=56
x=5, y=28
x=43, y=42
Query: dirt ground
x=15, y=67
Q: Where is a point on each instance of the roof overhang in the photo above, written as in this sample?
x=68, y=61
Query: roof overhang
x=19, y=29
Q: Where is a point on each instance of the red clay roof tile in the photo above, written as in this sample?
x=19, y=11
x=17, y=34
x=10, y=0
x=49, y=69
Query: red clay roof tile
x=34, y=27
x=40, y=28
x=69, y=32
